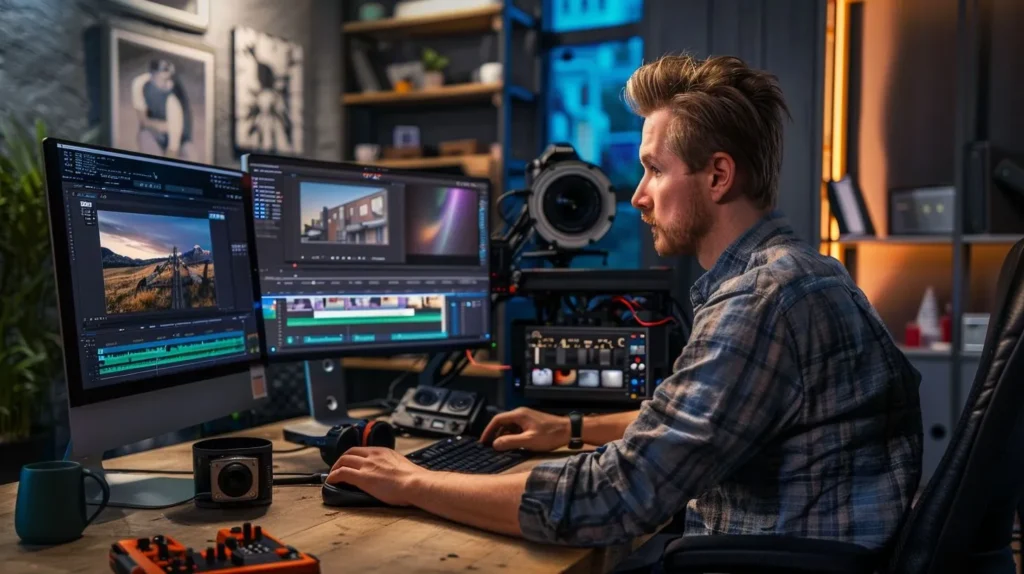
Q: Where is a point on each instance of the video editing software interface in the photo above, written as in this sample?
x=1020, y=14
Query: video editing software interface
x=613, y=363
x=160, y=268
x=352, y=258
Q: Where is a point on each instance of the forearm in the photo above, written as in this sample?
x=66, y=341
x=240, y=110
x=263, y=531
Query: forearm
x=603, y=429
x=489, y=502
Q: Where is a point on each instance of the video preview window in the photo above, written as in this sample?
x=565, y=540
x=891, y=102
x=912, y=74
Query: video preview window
x=442, y=225
x=155, y=262
x=341, y=213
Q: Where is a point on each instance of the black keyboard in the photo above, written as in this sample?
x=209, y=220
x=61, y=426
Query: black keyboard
x=468, y=455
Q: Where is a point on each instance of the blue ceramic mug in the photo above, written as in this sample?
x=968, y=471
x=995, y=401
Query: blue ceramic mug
x=51, y=502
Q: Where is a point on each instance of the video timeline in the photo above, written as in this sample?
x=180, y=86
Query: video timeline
x=370, y=319
x=123, y=359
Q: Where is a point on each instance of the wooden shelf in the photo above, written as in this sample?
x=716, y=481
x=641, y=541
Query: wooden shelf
x=476, y=165
x=986, y=238
x=474, y=20
x=455, y=93
x=897, y=240
x=930, y=239
x=485, y=369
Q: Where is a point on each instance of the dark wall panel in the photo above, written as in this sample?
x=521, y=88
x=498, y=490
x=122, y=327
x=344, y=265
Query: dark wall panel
x=785, y=37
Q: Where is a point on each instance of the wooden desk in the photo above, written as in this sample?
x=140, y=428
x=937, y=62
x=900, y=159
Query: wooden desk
x=353, y=540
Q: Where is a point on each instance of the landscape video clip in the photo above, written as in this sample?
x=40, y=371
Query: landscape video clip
x=343, y=214
x=155, y=262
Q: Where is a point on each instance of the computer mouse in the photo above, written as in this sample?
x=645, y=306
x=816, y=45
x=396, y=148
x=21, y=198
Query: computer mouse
x=344, y=494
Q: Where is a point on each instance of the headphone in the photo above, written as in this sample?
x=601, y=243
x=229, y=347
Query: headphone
x=360, y=433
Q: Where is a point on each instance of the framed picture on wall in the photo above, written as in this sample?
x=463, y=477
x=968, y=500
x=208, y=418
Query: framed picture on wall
x=268, y=93
x=847, y=205
x=192, y=15
x=158, y=95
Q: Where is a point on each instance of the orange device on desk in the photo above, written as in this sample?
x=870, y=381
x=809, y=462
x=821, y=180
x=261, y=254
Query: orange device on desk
x=240, y=550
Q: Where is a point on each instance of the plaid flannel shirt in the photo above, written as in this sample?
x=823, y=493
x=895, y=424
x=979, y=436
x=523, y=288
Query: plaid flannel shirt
x=790, y=411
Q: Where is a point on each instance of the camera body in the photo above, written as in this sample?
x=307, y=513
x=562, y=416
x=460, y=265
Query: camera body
x=233, y=472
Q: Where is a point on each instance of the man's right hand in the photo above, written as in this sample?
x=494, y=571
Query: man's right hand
x=527, y=428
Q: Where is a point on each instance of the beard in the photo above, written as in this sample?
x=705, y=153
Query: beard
x=678, y=238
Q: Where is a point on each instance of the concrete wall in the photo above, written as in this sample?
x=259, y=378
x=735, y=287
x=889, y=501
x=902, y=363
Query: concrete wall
x=46, y=70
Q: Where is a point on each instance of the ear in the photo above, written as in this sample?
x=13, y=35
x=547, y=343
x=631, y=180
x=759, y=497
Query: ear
x=722, y=175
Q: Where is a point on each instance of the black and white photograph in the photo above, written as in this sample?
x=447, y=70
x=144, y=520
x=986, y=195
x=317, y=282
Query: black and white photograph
x=268, y=76
x=160, y=97
x=191, y=15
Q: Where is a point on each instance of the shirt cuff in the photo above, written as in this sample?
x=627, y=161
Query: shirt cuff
x=539, y=518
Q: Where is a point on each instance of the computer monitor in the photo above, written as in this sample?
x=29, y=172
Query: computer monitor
x=156, y=299
x=356, y=260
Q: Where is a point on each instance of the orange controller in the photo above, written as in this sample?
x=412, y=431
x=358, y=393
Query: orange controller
x=239, y=550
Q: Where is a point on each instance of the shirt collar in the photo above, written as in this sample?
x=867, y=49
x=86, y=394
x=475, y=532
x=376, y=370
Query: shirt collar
x=735, y=259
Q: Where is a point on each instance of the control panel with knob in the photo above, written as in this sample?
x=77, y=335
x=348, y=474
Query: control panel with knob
x=436, y=411
x=244, y=549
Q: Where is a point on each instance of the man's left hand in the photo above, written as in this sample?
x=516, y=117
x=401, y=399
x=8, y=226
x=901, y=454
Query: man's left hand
x=380, y=472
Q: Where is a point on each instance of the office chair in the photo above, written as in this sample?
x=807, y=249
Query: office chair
x=963, y=520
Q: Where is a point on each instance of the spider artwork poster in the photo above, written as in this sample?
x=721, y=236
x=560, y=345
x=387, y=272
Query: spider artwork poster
x=267, y=93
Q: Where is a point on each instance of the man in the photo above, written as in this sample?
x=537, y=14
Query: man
x=161, y=105
x=790, y=410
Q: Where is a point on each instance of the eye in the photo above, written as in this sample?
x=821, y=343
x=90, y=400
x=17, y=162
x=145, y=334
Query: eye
x=654, y=170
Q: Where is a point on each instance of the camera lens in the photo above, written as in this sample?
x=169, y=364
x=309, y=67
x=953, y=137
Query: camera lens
x=235, y=480
x=572, y=204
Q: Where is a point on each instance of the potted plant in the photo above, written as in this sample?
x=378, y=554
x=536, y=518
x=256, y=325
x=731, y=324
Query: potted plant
x=30, y=346
x=433, y=65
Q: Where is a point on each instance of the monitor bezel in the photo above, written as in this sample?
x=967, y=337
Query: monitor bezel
x=412, y=347
x=78, y=395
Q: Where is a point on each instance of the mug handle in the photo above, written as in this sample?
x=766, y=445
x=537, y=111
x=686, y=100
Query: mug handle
x=86, y=473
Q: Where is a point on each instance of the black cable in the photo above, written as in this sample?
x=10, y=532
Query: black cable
x=291, y=450
x=179, y=472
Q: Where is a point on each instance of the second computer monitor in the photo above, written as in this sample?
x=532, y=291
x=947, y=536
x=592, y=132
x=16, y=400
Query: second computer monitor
x=360, y=260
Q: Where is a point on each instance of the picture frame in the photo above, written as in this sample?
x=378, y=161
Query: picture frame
x=267, y=93
x=846, y=202
x=190, y=15
x=157, y=94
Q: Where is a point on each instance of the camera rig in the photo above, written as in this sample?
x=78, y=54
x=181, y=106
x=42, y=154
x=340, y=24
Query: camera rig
x=567, y=207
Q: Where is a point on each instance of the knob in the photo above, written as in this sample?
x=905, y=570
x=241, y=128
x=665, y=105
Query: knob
x=159, y=539
x=221, y=554
x=161, y=552
x=246, y=532
x=143, y=544
x=231, y=543
x=190, y=562
x=641, y=366
x=210, y=554
x=236, y=530
x=257, y=533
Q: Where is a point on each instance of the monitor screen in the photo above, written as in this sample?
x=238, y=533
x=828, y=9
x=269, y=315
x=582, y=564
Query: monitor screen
x=153, y=270
x=355, y=260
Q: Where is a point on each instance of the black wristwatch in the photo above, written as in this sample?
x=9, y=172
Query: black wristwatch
x=575, y=430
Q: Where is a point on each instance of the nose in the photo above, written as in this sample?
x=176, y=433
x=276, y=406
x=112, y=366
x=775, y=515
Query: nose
x=640, y=198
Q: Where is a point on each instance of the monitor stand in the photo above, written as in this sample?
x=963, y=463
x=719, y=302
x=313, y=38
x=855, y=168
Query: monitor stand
x=328, y=404
x=134, y=490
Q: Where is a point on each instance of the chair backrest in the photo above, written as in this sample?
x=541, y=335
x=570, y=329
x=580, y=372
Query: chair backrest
x=963, y=520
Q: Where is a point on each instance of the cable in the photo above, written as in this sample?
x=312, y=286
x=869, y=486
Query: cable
x=634, y=310
x=472, y=361
x=182, y=472
x=291, y=450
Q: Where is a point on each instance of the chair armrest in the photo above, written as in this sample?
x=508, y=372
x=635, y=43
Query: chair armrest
x=736, y=554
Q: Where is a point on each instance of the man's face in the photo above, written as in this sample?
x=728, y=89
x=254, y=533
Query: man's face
x=671, y=198
x=164, y=78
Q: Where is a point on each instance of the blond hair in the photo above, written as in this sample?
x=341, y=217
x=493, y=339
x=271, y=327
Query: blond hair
x=718, y=104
